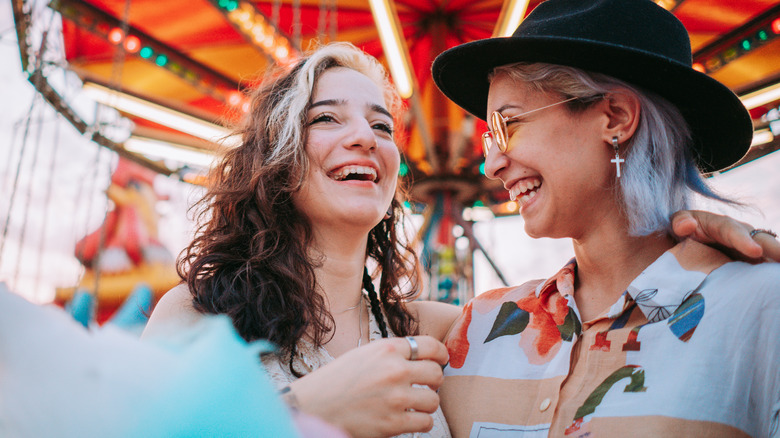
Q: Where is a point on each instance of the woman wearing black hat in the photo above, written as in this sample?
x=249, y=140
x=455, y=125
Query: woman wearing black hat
x=599, y=128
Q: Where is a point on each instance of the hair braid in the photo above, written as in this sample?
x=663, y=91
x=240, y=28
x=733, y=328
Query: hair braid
x=376, y=308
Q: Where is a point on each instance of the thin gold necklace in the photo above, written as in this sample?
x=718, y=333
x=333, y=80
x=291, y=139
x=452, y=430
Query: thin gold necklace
x=360, y=324
x=360, y=319
x=353, y=307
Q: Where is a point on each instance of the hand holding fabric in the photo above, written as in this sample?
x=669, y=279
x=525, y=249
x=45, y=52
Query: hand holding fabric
x=375, y=390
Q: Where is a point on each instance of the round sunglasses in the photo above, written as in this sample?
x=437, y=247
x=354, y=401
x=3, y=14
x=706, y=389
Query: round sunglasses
x=498, y=134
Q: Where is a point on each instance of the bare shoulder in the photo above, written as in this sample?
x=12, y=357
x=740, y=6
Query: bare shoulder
x=173, y=310
x=435, y=318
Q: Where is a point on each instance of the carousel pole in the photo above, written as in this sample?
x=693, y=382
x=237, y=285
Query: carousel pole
x=468, y=231
x=430, y=216
x=116, y=81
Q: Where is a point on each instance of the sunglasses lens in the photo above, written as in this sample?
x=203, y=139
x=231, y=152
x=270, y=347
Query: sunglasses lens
x=487, y=143
x=499, y=130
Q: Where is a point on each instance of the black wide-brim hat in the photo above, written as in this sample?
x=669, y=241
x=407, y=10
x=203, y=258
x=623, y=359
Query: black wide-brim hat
x=636, y=41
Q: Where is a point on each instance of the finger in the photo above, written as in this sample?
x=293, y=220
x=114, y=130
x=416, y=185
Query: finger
x=683, y=224
x=769, y=245
x=417, y=421
x=703, y=226
x=425, y=372
x=428, y=348
x=734, y=236
x=725, y=232
x=423, y=399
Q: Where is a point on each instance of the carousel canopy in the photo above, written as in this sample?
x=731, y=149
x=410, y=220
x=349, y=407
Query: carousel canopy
x=180, y=70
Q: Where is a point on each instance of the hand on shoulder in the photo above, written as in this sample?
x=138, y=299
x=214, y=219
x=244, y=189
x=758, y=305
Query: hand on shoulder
x=727, y=235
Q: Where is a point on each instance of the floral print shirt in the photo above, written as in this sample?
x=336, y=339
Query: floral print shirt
x=689, y=349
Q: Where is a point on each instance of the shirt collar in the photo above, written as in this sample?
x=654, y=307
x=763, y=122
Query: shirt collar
x=673, y=277
x=562, y=282
x=660, y=289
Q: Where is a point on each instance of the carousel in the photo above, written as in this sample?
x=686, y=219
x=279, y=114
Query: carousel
x=176, y=74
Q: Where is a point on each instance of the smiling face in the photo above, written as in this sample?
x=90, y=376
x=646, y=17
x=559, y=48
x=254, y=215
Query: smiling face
x=353, y=157
x=557, y=165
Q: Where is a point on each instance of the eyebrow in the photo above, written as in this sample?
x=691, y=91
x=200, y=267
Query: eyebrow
x=338, y=102
x=506, y=107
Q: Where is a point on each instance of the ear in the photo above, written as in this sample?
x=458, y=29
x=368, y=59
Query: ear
x=622, y=109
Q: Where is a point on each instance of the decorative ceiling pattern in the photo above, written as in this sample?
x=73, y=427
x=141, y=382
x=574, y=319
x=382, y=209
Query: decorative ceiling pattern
x=195, y=57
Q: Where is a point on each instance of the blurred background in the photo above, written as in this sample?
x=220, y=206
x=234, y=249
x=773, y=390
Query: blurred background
x=111, y=110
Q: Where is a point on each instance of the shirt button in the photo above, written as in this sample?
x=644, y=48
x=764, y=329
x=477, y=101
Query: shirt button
x=545, y=404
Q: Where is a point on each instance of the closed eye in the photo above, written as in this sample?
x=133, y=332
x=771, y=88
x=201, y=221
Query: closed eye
x=512, y=125
x=382, y=126
x=322, y=118
x=520, y=118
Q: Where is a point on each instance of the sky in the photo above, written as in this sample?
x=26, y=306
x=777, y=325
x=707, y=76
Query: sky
x=52, y=194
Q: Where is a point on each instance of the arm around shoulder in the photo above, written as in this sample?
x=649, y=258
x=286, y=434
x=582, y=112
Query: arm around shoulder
x=173, y=311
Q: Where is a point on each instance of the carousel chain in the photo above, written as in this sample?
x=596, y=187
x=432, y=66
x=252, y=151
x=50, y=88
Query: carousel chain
x=9, y=159
x=118, y=62
x=29, y=194
x=322, y=20
x=333, y=20
x=14, y=189
x=15, y=129
x=15, y=186
x=102, y=241
x=297, y=23
x=83, y=193
x=275, y=12
x=33, y=169
x=116, y=78
x=47, y=199
x=116, y=67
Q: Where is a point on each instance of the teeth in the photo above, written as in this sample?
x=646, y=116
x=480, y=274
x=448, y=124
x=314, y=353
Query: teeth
x=523, y=199
x=345, y=171
x=526, y=188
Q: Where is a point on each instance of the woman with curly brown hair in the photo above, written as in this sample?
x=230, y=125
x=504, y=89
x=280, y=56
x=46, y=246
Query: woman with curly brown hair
x=295, y=221
x=291, y=222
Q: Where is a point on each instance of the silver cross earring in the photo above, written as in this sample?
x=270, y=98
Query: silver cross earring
x=617, y=160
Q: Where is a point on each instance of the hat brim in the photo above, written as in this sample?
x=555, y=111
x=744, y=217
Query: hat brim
x=721, y=127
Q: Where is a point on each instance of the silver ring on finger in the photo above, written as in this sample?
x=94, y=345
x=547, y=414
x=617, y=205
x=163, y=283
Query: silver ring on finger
x=413, y=347
x=762, y=230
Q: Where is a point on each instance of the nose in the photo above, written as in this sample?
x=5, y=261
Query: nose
x=361, y=135
x=495, y=162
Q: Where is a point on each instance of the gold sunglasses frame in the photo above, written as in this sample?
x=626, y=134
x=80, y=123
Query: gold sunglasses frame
x=498, y=134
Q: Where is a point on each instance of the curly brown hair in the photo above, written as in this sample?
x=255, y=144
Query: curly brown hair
x=250, y=255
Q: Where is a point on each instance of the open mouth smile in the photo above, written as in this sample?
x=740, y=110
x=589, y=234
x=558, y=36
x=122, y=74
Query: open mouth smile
x=524, y=190
x=354, y=173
